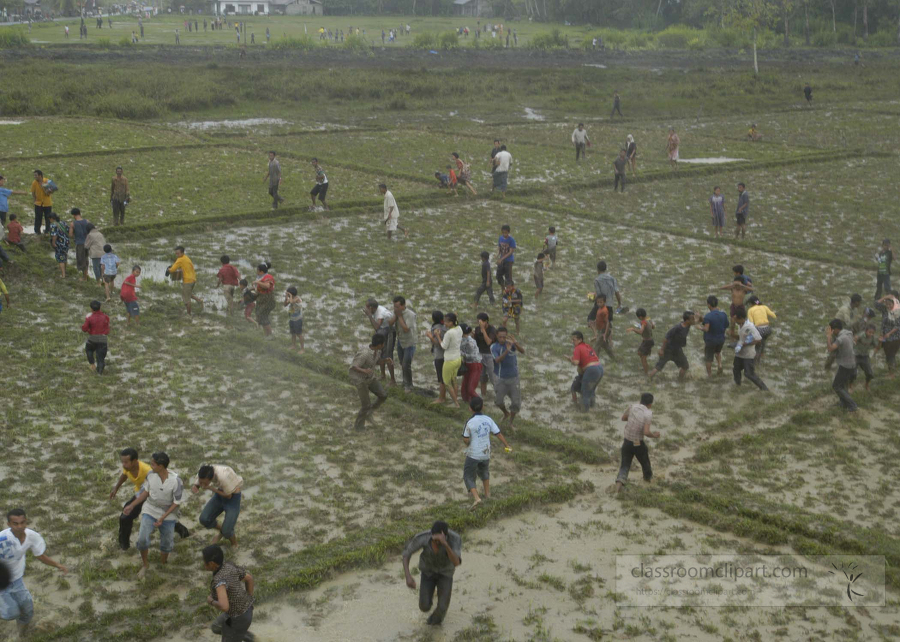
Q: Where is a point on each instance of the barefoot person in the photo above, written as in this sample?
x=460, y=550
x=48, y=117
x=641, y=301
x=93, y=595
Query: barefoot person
x=590, y=371
x=96, y=324
x=740, y=214
x=294, y=303
x=226, y=487
x=638, y=418
x=135, y=472
x=673, y=347
x=320, y=189
x=505, y=351
x=631, y=153
x=362, y=375
x=231, y=592
x=477, y=437
x=161, y=495
x=450, y=344
x=580, y=140
x=265, y=297
x=119, y=196
x=391, y=219
x=840, y=342
x=441, y=554
x=672, y=143
x=15, y=599
x=745, y=350
x=183, y=269
x=714, y=325
x=228, y=279
x=890, y=330
x=273, y=176
x=739, y=290
x=717, y=211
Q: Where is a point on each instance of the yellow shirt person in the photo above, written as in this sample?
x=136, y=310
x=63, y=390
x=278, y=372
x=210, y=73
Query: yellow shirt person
x=41, y=197
x=183, y=263
x=760, y=314
x=137, y=480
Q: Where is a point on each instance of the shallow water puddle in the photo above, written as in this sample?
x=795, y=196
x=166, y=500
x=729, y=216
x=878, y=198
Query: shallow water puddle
x=711, y=161
x=232, y=124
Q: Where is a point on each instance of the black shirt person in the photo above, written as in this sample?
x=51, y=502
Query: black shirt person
x=441, y=554
x=673, y=347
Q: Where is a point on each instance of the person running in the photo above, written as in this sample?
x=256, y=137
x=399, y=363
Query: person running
x=743, y=209
x=362, y=375
x=745, y=350
x=486, y=281
x=759, y=316
x=94, y=243
x=602, y=327
x=551, y=242
x=59, y=241
x=620, y=164
x=183, y=269
x=672, y=143
x=644, y=328
x=714, y=325
x=884, y=256
x=248, y=300
x=228, y=279
x=5, y=193
x=607, y=285
x=135, y=472
x=226, y=486
x=273, y=176
x=435, y=334
x=109, y=269
x=890, y=330
x=43, y=203
x=505, y=351
x=637, y=420
x=581, y=141
x=506, y=256
x=391, y=219
x=840, y=341
x=853, y=316
x=477, y=437
x=320, y=189
x=231, y=592
x=463, y=173
x=441, y=554
x=382, y=322
x=265, y=297
x=294, y=303
x=673, y=347
x=590, y=371
x=450, y=344
x=128, y=294
x=15, y=541
x=717, y=211
x=502, y=163
x=739, y=290
x=617, y=106
x=119, y=196
x=14, y=232
x=405, y=325
x=161, y=496
x=631, y=153
x=864, y=343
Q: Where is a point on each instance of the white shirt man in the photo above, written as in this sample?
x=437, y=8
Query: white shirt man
x=391, y=212
x=504, y=160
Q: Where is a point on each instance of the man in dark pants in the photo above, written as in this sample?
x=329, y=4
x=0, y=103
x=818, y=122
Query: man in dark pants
x=135, y=472
x=638, y=418
x=273, y=175
x=673, y=347
x=362, y=375
x=441, y=554
x=883, y=257
x=616, y=105
x=842, y=346
x=506, y=250
x=745, y=350
x=486, y=284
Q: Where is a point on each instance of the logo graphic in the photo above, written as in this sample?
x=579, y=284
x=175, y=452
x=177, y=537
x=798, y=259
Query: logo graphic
x=850, y=577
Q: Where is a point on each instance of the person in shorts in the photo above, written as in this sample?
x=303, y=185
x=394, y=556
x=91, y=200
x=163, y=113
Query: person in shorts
x=109, y=268
x=128, y=295
x=183, y=268
x=551, y=241
x=59, y=240
x=714, y=325
x=511, y=303
x=743, y=208
x=248, y=298
x=295, y=324
x=229, y=279
x=477, y=437
x=645, y=329
x=320, y=189
x=673, y=347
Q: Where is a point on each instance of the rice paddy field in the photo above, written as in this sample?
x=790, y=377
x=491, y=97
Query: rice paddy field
x=327, y=509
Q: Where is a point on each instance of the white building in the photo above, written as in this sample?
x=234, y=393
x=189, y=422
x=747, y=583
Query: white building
x=473, y=8
x=266, y=7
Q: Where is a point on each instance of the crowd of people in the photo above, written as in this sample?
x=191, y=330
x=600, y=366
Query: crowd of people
x=466, y=360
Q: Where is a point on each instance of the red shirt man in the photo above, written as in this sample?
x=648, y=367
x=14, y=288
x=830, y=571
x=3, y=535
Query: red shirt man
x=228, y=275
x=96, y=323
x=585, y=356
x=127, y=293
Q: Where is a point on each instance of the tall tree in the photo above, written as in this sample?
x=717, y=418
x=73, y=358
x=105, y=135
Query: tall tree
x=751, y=15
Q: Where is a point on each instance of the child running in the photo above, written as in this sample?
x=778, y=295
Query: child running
x=109, y=268
x=248, y=298
x=511, y=303
x=96, y=324
x=644, y=328
x=295, y=303
x=129, y=296
x=477, y=437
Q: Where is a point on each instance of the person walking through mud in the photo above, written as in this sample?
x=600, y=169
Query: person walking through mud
x=273, y=176
x=119, y=197
x=441, y=554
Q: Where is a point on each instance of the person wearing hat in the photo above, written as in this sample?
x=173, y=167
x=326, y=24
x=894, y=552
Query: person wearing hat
x=119, y=197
